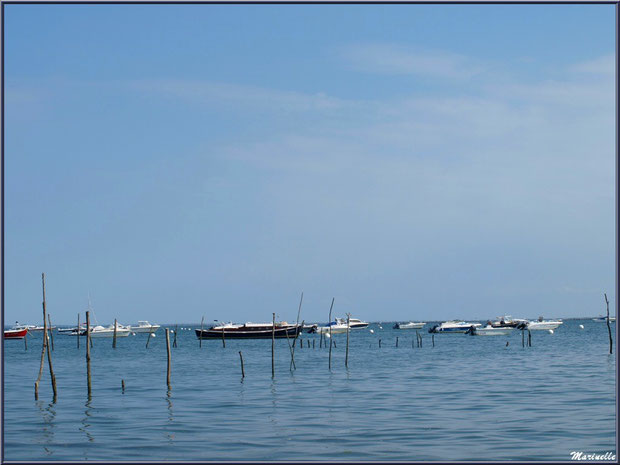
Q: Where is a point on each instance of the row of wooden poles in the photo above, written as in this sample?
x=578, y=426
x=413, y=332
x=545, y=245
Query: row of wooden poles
x=49, y=340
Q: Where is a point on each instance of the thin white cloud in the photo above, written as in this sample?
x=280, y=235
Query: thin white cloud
x=395, y=59
x=197, y=91
x=601, y=65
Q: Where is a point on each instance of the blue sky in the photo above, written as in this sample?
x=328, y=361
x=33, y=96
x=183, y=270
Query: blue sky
x=415, y=162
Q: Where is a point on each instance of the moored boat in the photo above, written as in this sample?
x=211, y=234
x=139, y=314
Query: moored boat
x=144, y=326
x=612, y=319
x=410, y=325
x=250, y=331
x=72, y=331
x=100, y=331
x=543, y=324
x=453, y=326
x=354, y=323
x=489, y=330
x=335, y=327
x=507, y=321
x=13, y=333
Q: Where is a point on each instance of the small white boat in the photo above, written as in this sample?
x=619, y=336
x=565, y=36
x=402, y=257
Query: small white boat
x=507, y=321
x=410, y=325
x=354, y=323
x=612, y=319
x=334, y=328
x=489, y=330
x=73, y=331
x=144, y=326
x=454, y=326
x=543, y=324
x=100, y=331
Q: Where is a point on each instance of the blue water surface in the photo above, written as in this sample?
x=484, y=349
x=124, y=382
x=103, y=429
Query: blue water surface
x=466, y=398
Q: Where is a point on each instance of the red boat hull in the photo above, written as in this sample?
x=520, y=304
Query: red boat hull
x=15, y=334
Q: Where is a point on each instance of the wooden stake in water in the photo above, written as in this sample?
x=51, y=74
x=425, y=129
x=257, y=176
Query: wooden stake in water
x=529, y=338
x=433, y=339
x=292, y=350
x=26, y=341
x=396, y=341
x=223, y=339
x=330, y=333
x=202, y=320
x=273, y=340
x=36, y=383
x=114, y=336
x=49, y=355
x=176, y=330
x=123, y=385
x=611, y=342
x=297, y=322
x=49, y=320
x=242, y=370
x=522, y=337
x=346, y=358
x=78, y=332
x=379, y=343
x=148, y=339
x=88, y=340
x=168, y=352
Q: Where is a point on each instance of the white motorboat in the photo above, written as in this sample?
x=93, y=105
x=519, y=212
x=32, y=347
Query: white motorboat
x=490, y=330
x=543, y=324
x=612, y=319
x=334, y=328
x=453, y=326
x=100, y=331
x=72, y=331
x=507, y=321
x=410, y=325
x=144, y=326
x=354, y=323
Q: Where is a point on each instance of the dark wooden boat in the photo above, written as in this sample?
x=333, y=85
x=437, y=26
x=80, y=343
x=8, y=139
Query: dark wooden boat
x=250, y=331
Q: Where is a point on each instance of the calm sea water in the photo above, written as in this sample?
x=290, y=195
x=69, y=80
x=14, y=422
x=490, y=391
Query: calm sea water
x=467, y=398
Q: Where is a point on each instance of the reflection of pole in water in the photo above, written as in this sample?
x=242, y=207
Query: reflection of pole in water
x=169, y=435
x=86, y=423
x=48, y=414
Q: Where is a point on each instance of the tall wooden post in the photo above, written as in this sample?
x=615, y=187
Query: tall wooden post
x=114, y=335
x=148, y=339
x=346, y=358
x=611, y=342
x=88, y=341
x=330, y=333
x=49, y=355
x=49, y=320
x=292, y=350
x=223, y=339
x=273, y=340
x=297, y=325
x=201, y=326
x=168, y=351
x=78, y=332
